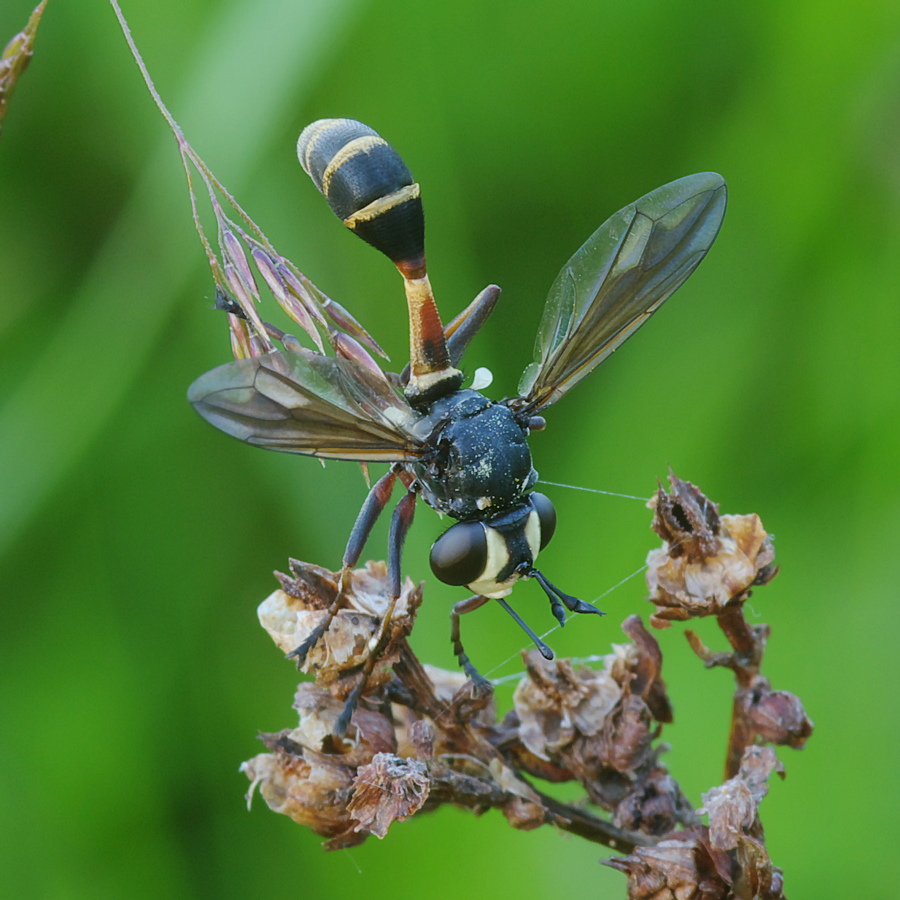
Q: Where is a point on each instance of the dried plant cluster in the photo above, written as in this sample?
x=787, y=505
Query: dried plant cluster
x=422, y=736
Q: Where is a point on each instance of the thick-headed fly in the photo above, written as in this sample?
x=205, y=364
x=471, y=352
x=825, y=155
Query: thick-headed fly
x=465, y=455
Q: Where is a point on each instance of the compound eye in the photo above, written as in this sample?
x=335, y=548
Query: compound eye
x=459, y=555
x=546, y=516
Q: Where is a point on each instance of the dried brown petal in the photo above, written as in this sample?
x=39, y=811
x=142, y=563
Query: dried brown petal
x=682, y=587
x=419, y=738
x=556, y=702
x=776, y=716
x=453, y=689
x=446, y=681
x=647, y=680
x=316, y=586
x=731, y=810
x=759, y=878
x=626, y=737
x=672, y=870
x=388, y=789
x=313, y=791
x=757, y=764
x=686, y=519
x=369, y=733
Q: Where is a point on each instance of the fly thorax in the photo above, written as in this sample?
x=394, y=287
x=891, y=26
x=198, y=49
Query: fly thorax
x=481, y=465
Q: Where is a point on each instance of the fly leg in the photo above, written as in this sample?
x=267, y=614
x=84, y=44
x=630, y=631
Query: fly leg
x=473, y=603
x=558, y=599
x=374, y=505
x=400, y=522
x=546, y=652
x=459, y=609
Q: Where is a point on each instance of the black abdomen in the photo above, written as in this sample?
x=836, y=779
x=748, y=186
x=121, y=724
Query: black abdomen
x=367, y=185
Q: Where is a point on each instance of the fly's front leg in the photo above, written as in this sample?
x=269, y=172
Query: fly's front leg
x=374, y=505
x=460, y=609
x=558, y=599
x=544, y=649
x=400, y=523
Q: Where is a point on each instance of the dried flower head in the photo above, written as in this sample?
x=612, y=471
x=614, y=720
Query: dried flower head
x=599, y=728
x=291, y=614
x=707, y=561
x=728, y=859
x=313, y=787
x=680, y=869
x=777, y=717
x=388, y=789
x=558, y=702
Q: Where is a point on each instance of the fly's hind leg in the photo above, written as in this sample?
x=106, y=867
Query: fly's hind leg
x=400, y=523
x=374, y=505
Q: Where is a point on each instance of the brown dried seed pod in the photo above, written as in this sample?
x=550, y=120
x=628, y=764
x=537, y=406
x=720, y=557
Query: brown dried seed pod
x=315, y=788
x=673, y=870
x=388, y=789
x=705, y=568
x=291, y=614
x=776, y=716
x=558, y=702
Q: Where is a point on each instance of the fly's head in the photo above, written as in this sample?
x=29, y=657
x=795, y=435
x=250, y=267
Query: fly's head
x=490, y=555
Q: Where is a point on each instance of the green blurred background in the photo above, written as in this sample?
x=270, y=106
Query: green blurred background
x=135, y=541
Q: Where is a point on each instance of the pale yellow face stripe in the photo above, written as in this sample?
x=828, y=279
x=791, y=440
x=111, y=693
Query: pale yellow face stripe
x=498, y=556
x=382, y=205
x=362, y=144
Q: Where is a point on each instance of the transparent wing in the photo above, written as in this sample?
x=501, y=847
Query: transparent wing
x=624, y=272
x=310, y=404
